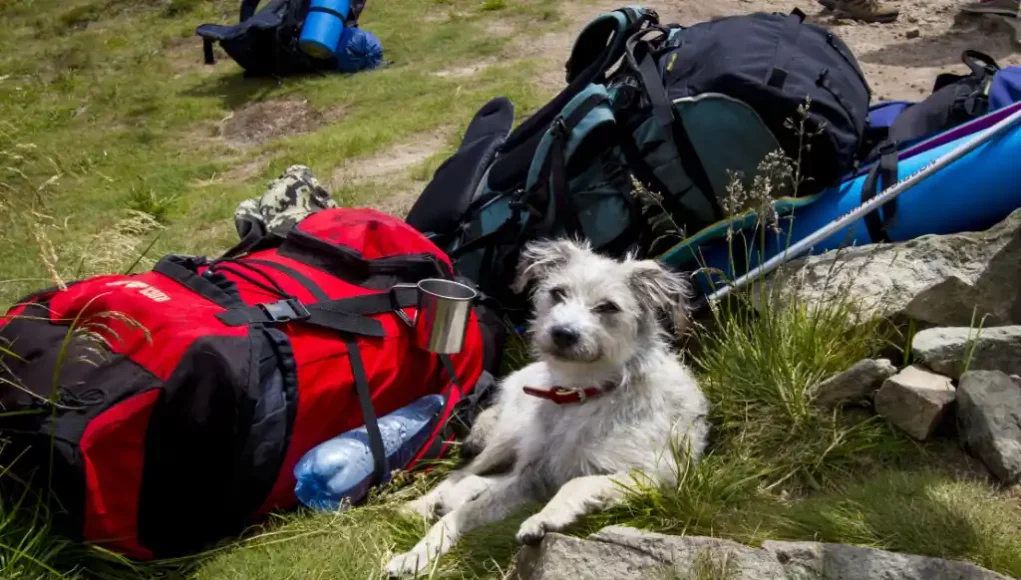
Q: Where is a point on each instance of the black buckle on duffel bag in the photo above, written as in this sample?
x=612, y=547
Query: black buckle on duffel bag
x=286, y=310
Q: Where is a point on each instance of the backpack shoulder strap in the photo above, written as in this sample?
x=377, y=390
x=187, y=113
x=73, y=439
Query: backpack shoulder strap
x=639, y=57
x=601, y=42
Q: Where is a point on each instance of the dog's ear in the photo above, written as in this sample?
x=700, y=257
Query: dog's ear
x=539, y=258
x=662, y=291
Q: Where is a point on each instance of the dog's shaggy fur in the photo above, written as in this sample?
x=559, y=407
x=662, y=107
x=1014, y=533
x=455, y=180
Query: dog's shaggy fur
x=596, y=324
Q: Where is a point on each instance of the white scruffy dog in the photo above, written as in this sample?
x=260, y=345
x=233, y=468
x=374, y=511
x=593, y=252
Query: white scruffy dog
x=606, y=397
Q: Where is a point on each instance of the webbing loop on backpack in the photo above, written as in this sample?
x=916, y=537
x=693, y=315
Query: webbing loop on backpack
x=554, y=168
x=882, y=175
x=784, y=48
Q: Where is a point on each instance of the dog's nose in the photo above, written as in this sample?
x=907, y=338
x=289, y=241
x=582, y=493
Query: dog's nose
x=564, y=337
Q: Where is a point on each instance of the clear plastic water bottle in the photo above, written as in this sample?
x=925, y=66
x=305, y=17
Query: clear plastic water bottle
x=342, y=468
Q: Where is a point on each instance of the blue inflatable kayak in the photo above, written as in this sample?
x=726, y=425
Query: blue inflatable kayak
x=973, y=193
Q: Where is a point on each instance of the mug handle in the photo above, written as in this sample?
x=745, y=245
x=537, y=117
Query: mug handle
x=396, y=307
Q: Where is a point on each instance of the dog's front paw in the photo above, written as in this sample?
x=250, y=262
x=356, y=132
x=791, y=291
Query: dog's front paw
x=406, y=564
x=536, y=527
x=423, y=507
x=532, y=531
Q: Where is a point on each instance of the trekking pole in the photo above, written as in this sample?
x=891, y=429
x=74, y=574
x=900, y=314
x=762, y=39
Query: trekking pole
x=872, y=204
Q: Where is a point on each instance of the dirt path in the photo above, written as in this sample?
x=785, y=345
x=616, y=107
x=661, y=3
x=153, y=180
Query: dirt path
x=900, y=60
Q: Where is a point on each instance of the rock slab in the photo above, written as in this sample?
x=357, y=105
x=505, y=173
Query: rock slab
x=855, y=384
x=915, y=400
x=946, y=350
x=989, y=419
x=939, y=280
x=836, y=561
x=620, y=553
x=623, y=553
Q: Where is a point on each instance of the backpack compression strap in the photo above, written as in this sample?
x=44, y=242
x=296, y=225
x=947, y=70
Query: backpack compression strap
x=670, y=125
x=339, y=313
x=349, y=317
x=884, y=173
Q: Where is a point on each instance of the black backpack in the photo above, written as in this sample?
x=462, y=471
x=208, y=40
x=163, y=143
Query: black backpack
x=955, y=99
x=265, y=43
x=670, y=107
x=559, y=173
x=760, y=66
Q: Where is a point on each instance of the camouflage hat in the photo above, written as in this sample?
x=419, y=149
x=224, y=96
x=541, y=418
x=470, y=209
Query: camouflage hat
x=290, y=198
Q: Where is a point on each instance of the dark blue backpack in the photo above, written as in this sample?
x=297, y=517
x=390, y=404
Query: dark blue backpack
x=955, y=99
x=705, y=101
x=265, y=43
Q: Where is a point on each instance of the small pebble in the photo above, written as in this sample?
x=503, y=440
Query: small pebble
x=913, y=33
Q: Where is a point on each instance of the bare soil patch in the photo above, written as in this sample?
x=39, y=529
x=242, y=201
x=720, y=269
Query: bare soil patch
x=257, y=123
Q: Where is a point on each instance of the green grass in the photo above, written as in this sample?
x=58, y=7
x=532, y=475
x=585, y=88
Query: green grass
x=109, y=105
x=113, y=151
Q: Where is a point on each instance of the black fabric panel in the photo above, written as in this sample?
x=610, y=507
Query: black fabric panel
x=86, y=389
x=449, y=194
x=266, y=419
x=188, y=496
x=736, y=56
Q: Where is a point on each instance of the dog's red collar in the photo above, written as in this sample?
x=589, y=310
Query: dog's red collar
x=562, y=396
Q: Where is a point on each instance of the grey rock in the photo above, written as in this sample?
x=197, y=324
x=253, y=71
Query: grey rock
x=937, y=280
x=855, y=384
x=915, y=400
x=620, y=553
x=945, y=350
x=989, y=419
x=838, y=562
x=912, y=33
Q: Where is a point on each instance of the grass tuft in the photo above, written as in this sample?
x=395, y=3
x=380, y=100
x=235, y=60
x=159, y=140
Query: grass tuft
x=148, y=201
x=760, y=367
x=921, y=512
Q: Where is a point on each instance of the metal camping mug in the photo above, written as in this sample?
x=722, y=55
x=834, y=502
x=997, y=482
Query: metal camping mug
x=441, y=322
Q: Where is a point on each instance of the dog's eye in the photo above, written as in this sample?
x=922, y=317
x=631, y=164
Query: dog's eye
x=557, y=294
x=606, y=308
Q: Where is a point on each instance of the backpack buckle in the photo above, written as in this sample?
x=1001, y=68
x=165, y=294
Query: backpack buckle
x=888, y=147
x=558, y=128
x=287, y=310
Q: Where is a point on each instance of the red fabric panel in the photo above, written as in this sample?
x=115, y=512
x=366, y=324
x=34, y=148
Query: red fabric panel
x=113, y=447
x=148, y=317
x=369, y=232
